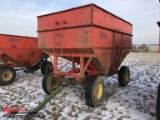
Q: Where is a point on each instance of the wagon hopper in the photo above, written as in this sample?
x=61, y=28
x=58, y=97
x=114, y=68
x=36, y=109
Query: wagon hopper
x=95, y=39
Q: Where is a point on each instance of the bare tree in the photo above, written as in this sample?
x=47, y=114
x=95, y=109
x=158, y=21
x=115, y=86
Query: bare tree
x=140, y=48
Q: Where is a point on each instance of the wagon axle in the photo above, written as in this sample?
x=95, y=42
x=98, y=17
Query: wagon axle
x=94, y=85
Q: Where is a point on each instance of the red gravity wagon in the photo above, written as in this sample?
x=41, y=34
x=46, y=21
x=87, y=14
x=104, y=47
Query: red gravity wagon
x=20, y=51
x=93, y=41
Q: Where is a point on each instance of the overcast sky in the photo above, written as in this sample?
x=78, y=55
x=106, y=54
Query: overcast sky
x=19, y=16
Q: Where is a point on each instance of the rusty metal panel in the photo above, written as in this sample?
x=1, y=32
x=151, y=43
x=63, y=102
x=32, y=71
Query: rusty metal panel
x=68, y=18
x=101, y=38
x=20, y=49
x=67, y=38
x=106, y=19
x=108, y=47
x=103, y=56
x=81, y=16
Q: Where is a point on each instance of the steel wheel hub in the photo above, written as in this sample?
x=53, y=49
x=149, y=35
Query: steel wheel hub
x=99, y=91
x=7, y=75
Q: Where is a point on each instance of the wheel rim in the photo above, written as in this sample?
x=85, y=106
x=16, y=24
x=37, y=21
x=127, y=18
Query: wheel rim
x=7, y=75
x=55, y=85
x=99, y=91
x=127, y=77
x=51, y=83
x=48, y=68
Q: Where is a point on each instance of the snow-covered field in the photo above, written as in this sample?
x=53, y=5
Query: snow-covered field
x=137, y=101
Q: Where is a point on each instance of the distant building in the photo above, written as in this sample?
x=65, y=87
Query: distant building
x=145, y=48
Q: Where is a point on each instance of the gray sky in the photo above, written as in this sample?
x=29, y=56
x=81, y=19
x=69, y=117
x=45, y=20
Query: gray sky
x=19, y=16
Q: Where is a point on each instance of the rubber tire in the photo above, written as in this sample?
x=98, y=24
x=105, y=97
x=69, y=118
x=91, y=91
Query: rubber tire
x=158, y=104
x=91, y=89
x=123, y=81
x=96, y=102
x=44, y=67
x=47, y=82
x=2, y=67
x=89, y=81
x=13, y=73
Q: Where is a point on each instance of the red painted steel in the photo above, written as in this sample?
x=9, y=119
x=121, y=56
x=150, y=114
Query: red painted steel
x=18, y=51
x=88, y=35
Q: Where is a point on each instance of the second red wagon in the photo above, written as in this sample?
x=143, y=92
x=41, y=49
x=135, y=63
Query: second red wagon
x=20, y=51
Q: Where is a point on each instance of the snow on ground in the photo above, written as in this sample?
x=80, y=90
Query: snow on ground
x=137, y=101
